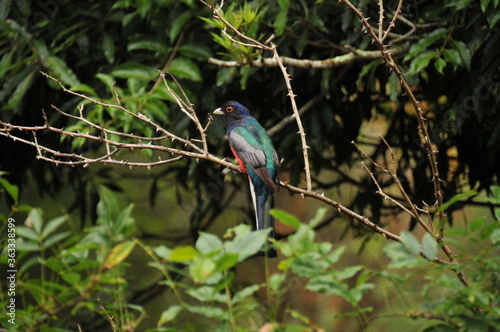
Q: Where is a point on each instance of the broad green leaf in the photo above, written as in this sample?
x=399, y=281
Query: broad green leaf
x=463, y=50
x=420, y=62
x=26, y=232
x=484, y=5
x=19, y=92
x=60, y=70
x=148, y=43
x=440, y=64
x=248, y=244
x=54, y=264
x=119, y=253
x=244, y=293
x=108, y=80
x=201, y=268
x=336, y=254
x=183, y=254
x=162, y=251
x=56, y=238
x=53, y=224
x=457, y=198
x=207, y=294
x=348, y=272
x=134, y=70
x=420, y=46
x=86, y=89
x=476, y=224
x=209, y=311
x=71, y=278
x=11, y=189
x=401, y=257
x=285, y=218
x=429, y=247
x=410, y=242
x=195, y=51
x=320, y=214
x=208, y=243
x=493, y=17
x=169, y=315
x=177, y=25
x=495, y=236
x=307, y=267
x=35, y=220
x=108, y=47
x=185, y=68
x=452, y=56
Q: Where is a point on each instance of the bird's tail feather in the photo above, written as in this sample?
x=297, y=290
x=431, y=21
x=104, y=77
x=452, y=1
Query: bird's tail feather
x=262, y=204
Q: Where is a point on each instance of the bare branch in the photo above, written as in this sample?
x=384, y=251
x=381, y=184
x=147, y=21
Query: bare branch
x=334, y=62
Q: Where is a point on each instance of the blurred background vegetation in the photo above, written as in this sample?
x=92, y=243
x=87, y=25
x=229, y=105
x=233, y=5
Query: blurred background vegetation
x=74, y=222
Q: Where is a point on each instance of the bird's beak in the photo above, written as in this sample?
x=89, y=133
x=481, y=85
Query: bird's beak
x=218, y=112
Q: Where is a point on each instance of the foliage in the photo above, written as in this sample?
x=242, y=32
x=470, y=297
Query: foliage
x=64, y=282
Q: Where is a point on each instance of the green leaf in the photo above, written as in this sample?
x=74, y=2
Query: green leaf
x=419, y=47
x=52, y=225
x=27, y=233
x=452, y=56
x=420, y=62
x=477, y=224
x=35, y=220
x=54, y=264
x=148, y=43
x=209, y=311
x=133, y=70
x=162, y=251
x=320, y=214
x=463, y=50
x=195, y=51
x=401, y=257
x=201, y=268
x=61, y=71
x=306, y=266
x=119, y=253
x=484, y=5
x=183, y=254
x=108, y=80
x=11, y=189
x=177, y=25
x=244, y=293
x=108, y=47
x=495, y=236
x=169, y=315
x=410, y=242
x=429, y=247
x=440, y=64
x=248, y=244
x=493, y=17
x=56, y=238
x=19, y=92
x=208, y=243
x=456, y=198
x=285, y=218
x=185, y=68
x=71, y=278
x=348, y=272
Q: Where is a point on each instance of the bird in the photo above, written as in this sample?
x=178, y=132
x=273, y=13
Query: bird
x=257, y=158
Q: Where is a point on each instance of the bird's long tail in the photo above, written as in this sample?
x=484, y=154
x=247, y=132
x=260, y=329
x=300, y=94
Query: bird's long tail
x=263, y=202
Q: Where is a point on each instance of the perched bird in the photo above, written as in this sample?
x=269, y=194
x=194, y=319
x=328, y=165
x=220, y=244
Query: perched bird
x=252, y=147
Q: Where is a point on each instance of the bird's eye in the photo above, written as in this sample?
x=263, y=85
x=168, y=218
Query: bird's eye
x=229, y=109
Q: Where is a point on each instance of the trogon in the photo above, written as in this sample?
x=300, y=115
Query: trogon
x=255, y=153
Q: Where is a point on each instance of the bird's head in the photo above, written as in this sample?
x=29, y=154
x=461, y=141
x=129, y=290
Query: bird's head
x=232, y=109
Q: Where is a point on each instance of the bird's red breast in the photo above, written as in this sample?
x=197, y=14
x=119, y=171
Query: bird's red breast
x=240, y=162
